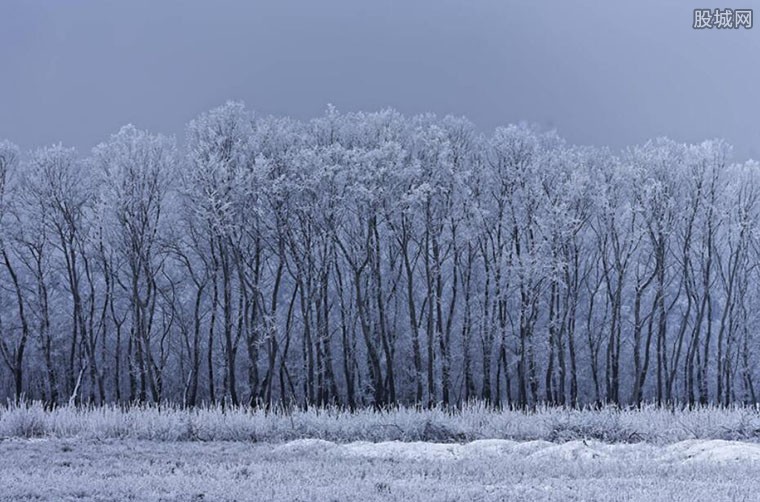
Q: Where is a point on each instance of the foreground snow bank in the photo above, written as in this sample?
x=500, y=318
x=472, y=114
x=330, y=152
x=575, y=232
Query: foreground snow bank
x=705, y=451
x=316, y=470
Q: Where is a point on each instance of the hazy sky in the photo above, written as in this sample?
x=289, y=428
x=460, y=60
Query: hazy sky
x=606, y=72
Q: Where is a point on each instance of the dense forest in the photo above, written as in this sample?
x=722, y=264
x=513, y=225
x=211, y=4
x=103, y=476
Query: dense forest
x=373, y=259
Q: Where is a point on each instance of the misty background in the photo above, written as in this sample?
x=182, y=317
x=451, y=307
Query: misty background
x=600, y=72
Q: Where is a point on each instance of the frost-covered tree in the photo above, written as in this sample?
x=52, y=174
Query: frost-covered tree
x=373, y=259
x=136, y=171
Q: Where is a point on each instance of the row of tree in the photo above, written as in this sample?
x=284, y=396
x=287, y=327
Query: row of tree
x=374, y=259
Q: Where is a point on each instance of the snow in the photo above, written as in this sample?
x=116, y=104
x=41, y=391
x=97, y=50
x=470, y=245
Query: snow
x=572, y=451
x=544, y=451
x=415, y=452
x=315, y=469
x=305, y=447
x=715, y=450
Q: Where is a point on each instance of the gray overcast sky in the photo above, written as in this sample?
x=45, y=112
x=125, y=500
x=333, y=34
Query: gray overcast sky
x=605, y=72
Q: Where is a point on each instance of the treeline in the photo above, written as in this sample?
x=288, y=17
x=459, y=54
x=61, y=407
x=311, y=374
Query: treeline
x=374, y=259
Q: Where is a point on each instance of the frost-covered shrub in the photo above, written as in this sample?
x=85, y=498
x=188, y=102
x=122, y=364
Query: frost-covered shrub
x=23, y=421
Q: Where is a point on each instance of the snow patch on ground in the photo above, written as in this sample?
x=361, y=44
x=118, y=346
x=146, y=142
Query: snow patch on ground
x=484, y=448
x=305, y=447
x=314, y=469
x=581, y=450
x=572, y=450
x=713, y=450
x=417, y=451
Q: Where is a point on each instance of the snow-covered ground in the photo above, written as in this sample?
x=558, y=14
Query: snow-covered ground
x=318, y=470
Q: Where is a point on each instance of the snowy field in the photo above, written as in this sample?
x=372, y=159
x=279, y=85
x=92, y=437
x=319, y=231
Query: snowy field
x=318, y=470
x=152, y=453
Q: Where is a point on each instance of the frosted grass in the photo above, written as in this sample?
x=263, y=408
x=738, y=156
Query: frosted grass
x=474, y=422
